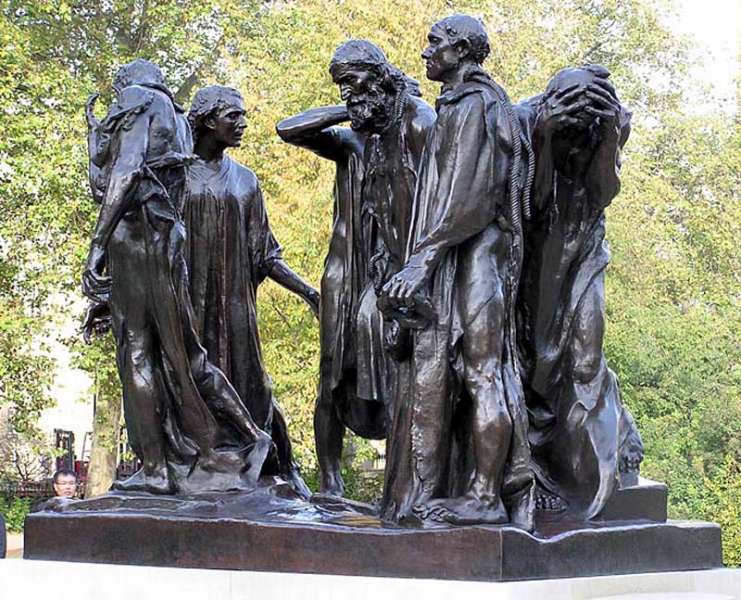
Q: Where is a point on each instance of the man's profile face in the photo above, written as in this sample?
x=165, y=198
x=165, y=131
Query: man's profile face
x=363, y=94
x=65, y=486
x=440, y=56
x=228, y=123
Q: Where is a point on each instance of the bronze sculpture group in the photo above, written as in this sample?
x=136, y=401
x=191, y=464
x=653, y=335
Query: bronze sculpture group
x=462, y=302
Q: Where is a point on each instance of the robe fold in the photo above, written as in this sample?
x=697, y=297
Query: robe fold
x=172, y=393
x=577, y=419
x=230, y=250
x=460, y=232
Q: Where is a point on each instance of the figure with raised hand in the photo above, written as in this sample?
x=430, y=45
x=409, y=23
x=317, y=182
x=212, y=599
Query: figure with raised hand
x=584, y=440
x=377, y=159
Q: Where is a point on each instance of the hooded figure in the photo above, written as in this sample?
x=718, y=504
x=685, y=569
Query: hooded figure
x=173, y=396
x=582, y=436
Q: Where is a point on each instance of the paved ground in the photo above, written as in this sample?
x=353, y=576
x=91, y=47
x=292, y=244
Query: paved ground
x=15, y=545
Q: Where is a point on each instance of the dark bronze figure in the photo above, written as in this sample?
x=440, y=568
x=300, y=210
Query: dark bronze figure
x=459, y=322
x=230, y=250
x=377, y=160
x=581, y=434
x=175, y=400
x=460, y=452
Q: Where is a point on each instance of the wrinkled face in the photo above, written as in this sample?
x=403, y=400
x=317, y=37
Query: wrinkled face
x=365, y=98
x=227, y=124
x=65, y=486
x=440, y=56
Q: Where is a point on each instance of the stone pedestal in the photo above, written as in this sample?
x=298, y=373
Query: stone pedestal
x=272, y=530
x=40, y=579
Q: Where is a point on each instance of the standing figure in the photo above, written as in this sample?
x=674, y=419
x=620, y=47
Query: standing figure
x=173, y=396
x=581, y=434
x=230, y=250
x=461, y=454
x=377, y=160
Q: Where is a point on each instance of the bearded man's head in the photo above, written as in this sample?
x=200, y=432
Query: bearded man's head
x=368, y=83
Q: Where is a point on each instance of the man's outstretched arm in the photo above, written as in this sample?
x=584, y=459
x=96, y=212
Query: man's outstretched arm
x=314, y=129
x=283, y=275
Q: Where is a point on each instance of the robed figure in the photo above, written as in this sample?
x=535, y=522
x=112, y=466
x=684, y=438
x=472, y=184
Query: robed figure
x=230, y=251
x=377, y=160
x=458, y=449
x=584, y=440
x=175, y=399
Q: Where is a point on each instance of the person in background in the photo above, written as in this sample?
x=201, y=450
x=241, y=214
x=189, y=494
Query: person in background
x=65, y=483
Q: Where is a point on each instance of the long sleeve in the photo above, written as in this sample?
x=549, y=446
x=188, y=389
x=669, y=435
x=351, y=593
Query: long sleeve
x=264, y=248
x=314, y=130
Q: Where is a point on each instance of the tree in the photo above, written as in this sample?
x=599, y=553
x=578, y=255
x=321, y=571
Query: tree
x=54, y=54
x=672, y=300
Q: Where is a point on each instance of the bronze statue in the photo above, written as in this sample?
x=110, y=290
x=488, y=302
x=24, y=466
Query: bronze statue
x=230, y=250
x=581, y=434
x=377, y=160
x=457, y=321
x=174, y=397
x=462, y=454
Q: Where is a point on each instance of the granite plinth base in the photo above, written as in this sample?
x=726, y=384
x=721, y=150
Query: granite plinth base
x=40, y=579
x=468, y=553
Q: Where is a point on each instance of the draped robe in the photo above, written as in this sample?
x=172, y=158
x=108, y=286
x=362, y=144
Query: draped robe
x=577, y=420
x=230, y=250
x=458, y=227
x=173, y=395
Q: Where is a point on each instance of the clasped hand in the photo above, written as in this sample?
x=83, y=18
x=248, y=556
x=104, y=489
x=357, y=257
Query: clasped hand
x=95, y=285
x=597, y=99
x=402, y=287
x=97, y=320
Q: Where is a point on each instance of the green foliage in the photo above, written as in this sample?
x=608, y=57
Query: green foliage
x=672, y=289
x=673, y=314
x=721, y=503
x=14, y=511
x=39, y=158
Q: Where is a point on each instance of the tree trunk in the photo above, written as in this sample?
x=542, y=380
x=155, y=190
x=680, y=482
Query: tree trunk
x=104, y=453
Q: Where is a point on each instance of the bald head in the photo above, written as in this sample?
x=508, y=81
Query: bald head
x=468, y=30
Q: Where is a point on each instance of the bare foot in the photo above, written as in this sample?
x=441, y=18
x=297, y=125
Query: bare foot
x=156, y=482
x=465, y=510
x=331, y=484
x=545, y=501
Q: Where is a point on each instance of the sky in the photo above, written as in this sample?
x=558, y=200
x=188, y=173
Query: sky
x=715, y=26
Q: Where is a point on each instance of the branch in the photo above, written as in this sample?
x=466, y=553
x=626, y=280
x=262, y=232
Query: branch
x=185, y=90
x=142, y=26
